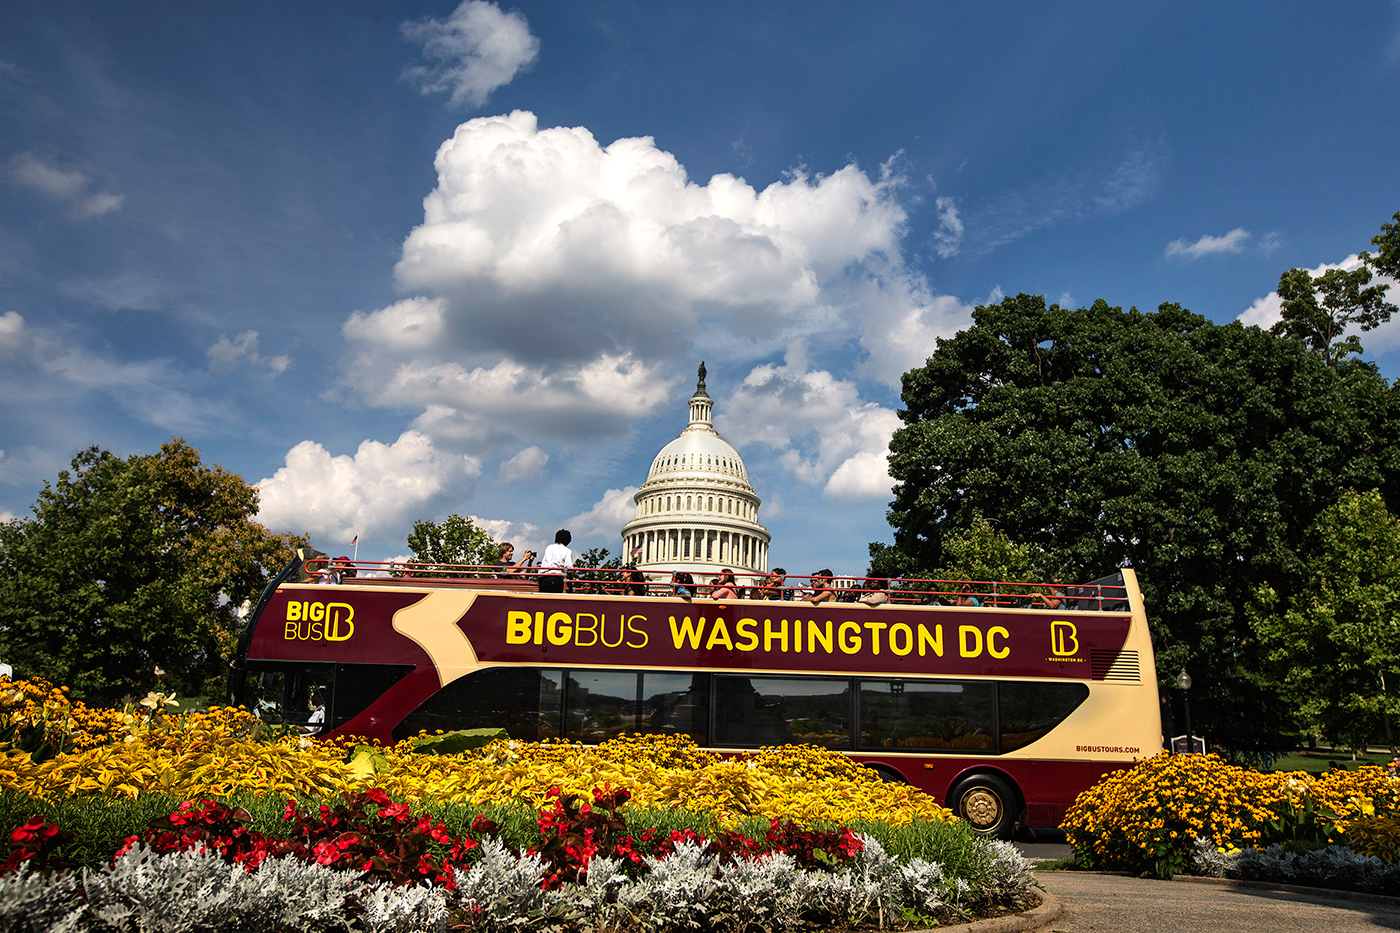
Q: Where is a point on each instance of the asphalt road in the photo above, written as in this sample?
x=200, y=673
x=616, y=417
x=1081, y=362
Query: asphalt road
x=1114, y=904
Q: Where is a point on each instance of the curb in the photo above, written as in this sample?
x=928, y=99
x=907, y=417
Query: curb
x=1335, y=894
x=1046, y=911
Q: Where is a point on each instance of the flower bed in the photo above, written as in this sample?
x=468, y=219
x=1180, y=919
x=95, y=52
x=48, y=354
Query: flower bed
x=212, y=821
x=1148, y=818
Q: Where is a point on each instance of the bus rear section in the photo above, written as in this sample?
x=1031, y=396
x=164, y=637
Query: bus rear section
x=1003, y=712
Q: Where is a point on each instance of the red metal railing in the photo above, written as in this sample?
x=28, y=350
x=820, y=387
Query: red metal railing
x=624, y=582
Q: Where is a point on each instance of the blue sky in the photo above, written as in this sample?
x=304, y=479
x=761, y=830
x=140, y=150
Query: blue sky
x=392, y=261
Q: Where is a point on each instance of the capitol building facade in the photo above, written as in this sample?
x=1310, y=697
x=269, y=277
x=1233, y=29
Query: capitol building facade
x=696, y=511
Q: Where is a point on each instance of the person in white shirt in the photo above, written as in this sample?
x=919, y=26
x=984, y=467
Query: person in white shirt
x=556, y=561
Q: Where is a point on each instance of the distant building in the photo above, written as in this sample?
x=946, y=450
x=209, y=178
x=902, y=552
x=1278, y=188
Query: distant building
x=696, y=511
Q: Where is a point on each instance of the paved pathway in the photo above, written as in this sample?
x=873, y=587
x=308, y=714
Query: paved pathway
x=1115, y=904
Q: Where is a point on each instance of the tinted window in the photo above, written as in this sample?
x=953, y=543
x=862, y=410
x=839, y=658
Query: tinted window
x=1028, y=711
x=292, y=694
x=601, y=705
x=753, y=711
x=927, y=714
x=522, y=700
x=359, y=685
x=676, y=704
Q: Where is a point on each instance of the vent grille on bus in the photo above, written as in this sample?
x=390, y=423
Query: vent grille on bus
x=1120, y=666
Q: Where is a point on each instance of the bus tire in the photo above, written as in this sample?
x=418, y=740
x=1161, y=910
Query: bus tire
x=988, y=805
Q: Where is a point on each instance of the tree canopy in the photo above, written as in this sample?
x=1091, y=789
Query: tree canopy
x=1199, y=454
x=454, y=540
x=132, y=574
x=1333, y=644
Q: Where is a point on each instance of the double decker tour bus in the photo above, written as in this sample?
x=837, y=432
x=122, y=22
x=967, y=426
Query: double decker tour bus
x=1002, y=711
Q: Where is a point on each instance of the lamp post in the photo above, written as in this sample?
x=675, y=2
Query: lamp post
x=1183, y=683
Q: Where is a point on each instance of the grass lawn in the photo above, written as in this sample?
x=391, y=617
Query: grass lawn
x=1323, y=758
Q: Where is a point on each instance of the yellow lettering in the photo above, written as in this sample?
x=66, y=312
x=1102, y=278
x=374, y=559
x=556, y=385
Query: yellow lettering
x=315, y=631
x=334, y=618
x=875, y=629
x=637, y=631
x=294, y=611
x=290, y=632
x=849, y=645
x=815, y=635
x=895, y=631
x=579, y=629
x=771, y=635
x=992, y=649
x=972, y=634
x=517, y=627
x=621, y=630
x=559, y=628
x=1064, y=639
x=719, y=635
x=687, y=631
x=797, y=635
x=748, y=638
x=318, y=612
x=539, y=628
x=934, y=641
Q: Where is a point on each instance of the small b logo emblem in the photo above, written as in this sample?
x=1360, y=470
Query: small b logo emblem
x=1064, y=639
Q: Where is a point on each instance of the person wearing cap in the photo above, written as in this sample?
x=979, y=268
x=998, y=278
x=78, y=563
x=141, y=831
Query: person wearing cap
x=339, y=569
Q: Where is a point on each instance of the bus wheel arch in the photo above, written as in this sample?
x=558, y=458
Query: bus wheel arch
x=989, y=800
x=887, y=773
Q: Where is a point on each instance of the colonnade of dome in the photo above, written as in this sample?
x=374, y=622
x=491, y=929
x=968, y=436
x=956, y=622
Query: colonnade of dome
x=696, y=511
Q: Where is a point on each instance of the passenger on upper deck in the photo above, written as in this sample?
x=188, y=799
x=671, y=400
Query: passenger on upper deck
x=965, y=597
x=557, y=560
x=724, y=586
x=821, y=588
x=1055, y=600
x=874, y=594
x=683, y=584
x=506, y=552
x=772, y=585
x=339, y=569
x=637, y=584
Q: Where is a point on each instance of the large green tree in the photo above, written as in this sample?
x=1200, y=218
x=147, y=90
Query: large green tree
x=454, y=540
x=1197, y=453
x=1335, y=645
x=130, y=567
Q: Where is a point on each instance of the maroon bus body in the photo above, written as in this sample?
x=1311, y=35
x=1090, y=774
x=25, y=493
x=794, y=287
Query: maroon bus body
x=508, y=627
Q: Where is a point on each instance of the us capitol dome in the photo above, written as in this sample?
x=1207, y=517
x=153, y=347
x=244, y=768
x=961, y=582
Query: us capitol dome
x=696, y=511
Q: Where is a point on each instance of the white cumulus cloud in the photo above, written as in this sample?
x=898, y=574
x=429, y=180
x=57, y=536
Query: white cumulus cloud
x=1232, y=242
x=827, y=435
x=561, y=280
x=474, y=51
x=526, y=465
x=377, y=492
x=615, y=509
x=67, y=186
x=226, y=355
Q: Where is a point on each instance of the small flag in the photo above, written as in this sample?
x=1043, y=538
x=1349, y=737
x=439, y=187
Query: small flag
x=637, y=552
x=355, y=540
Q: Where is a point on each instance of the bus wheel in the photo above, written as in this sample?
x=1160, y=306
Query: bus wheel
x=987, y=803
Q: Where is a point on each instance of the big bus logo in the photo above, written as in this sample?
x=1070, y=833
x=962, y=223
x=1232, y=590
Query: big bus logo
x=312, y=621
x=1064, y=639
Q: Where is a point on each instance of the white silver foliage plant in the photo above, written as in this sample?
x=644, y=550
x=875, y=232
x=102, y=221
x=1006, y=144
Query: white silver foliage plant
x=1333, y=866
x=33, y=903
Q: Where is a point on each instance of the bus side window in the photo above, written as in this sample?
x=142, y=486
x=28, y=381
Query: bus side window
x=359, y=685
x=937, y=715
x=676, y=704
x=1030, y=710
x=525, y=701
x=755, y=711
